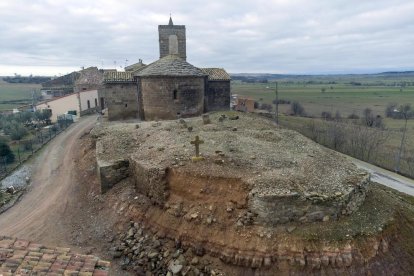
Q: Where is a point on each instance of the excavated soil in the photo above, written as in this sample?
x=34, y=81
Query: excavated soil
x=195, y=237
x=206, y=215
x=270, y=160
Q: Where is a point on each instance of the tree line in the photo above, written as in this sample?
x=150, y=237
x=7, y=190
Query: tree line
x=17, y=126
x=363, y=136
x=29, y=79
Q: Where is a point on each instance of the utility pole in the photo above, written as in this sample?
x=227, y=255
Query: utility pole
x=33, y=99
x=276, y=105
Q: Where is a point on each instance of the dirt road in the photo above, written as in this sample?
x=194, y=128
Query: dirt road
x=41, y=214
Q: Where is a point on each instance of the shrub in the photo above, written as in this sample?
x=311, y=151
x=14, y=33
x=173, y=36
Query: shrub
x=371, y=120
x=267, y=107
x=6, y=154
x=297, y=109
x=353, y=116
x=338, y=116
x=390, y=110
x=326, y=115
x=16, y=130
x=281, y=101
x=27, y=145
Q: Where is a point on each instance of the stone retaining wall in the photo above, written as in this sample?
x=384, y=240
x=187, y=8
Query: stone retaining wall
x=110, y=173
x=150, y=180
x=276, y=209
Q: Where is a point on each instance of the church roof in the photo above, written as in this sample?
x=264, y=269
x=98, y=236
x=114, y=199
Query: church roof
x=170, y=65
x=115, y=76
x=216, y=74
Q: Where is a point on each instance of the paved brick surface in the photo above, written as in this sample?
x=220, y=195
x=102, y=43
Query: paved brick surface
x=21, y=257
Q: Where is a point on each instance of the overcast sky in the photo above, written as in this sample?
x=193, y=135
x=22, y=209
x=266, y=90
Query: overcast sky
x=277, y=36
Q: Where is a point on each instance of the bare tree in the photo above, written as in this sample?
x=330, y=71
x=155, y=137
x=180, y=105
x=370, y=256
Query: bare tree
x=364, y=142
x=409, y=159
x=406, y=113
x=313, y=130
x=336, y=135
x=297, y=109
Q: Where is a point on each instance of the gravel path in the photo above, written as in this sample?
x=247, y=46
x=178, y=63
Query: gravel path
x=18, y=178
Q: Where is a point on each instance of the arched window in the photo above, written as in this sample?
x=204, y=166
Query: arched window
x=96, y=102
x=175, y=94
x=89, y=104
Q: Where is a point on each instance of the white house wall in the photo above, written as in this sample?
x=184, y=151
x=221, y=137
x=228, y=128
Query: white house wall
x=61, y=105
x=90, y=96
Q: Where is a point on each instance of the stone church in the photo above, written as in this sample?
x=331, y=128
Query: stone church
x=168, y=88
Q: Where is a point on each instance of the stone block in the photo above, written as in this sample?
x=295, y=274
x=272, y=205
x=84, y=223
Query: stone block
x=150, y=180
x=111, y=172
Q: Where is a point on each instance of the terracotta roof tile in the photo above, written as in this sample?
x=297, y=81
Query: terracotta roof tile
x=16, y=258
x=135, y=67
x=115, y=76
x=216, y=73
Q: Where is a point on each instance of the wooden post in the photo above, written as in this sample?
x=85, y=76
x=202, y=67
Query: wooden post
x=18, y=152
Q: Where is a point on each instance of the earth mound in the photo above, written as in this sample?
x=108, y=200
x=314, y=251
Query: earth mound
x=281, y=175
x=260, y=200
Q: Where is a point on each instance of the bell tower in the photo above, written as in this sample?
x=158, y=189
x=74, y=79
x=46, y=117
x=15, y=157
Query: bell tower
x=172, y=40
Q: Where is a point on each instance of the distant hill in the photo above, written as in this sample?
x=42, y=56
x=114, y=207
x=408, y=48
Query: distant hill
x=29, y=79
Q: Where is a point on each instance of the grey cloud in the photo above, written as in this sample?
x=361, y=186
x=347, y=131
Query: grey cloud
x=242, y=36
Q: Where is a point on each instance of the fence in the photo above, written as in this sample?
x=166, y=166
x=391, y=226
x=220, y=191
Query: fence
x=25, y=148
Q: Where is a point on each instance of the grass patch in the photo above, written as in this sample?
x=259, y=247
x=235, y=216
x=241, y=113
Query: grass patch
x=4, y=197
x=13, y=95
x=345, y=98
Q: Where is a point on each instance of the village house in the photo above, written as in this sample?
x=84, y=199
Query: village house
x=244, y=104
x=78, y=104
x=86, y=79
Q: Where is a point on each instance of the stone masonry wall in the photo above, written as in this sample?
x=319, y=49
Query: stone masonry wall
x=217, y=95
x=110, y=173
x=164, y=32
x=158, y=97
x=276, y=209
x=150, y=180
x=121, y=100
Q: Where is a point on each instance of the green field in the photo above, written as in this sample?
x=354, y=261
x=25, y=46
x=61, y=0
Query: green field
x=342, y=97
x=345, y=98
x=13, y=95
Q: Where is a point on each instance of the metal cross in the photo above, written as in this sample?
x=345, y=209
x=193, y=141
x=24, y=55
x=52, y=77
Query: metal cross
x=197, y=142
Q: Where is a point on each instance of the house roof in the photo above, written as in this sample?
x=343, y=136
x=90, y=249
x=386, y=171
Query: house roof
x=216, y=74
x=115, y=76
x=91, y=75
x=170, y=65
x=135, y=67
x=13, y=259
x=63, y=81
